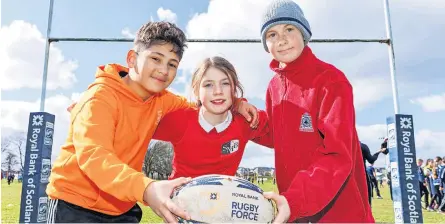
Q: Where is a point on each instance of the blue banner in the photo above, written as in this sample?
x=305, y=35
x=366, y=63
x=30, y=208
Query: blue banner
x=34, y=202
x=403, y=166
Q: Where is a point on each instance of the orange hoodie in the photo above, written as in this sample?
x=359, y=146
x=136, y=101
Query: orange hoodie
x=99, y=166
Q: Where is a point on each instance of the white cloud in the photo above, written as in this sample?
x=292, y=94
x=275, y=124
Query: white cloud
x=231, y=19
x=22, y=49
x=256, y=155
x=177, y=92
x=127, y=33
x=366, y=94
x=372, y=133
x=163, y=15
x=76, y=96
x=15, y=116
x=167, y=15
x=428, y=143
x=432, y=103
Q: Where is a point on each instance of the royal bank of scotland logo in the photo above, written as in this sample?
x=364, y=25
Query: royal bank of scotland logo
x=213, y=196
x=406, y=123
x=37, y=120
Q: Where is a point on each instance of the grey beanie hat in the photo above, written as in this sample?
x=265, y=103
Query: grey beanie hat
x=284, y=12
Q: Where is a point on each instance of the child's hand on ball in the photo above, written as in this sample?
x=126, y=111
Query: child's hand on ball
x=282, y=206
x=157, y=196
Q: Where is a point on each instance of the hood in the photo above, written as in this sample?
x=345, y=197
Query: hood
x=111, y=75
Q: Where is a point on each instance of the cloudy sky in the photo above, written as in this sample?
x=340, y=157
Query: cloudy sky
x=418, y=38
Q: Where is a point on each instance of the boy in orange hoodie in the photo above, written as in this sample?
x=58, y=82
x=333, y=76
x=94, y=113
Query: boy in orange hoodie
x=97, y=176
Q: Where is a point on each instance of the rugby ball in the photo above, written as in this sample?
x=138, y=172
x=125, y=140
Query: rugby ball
x=221, y=198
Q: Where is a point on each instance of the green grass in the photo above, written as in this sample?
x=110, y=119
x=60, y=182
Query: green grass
x=11, y=201
x=383, y=211
x=382, y=208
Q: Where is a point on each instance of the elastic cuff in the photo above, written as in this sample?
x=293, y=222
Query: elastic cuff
x=140, y=189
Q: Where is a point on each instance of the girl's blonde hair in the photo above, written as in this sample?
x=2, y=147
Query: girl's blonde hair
x=428, y=161
x=224, y=66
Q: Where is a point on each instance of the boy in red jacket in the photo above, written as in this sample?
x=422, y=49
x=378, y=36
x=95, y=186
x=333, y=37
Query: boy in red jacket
x=319, y=166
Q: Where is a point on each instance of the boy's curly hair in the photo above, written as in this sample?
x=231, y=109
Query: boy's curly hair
x=160, y=33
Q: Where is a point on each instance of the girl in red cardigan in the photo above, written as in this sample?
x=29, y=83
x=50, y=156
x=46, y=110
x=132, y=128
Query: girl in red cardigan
x=210, y=139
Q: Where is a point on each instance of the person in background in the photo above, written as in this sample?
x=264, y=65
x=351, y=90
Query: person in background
x=438, y=163
x=10, y=178
x=379, y=176
x=441, y=208
x=370, y=158
x=428, y=170
x=388, y=165
x=373, y=178
x=19, y=178
x=435, y=185
x=422, y=183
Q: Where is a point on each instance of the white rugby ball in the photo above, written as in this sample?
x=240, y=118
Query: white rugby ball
x=221, y=198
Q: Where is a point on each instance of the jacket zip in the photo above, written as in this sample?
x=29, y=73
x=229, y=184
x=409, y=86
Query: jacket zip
x=284, y=82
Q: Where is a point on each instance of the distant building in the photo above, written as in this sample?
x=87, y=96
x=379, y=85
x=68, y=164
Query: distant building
x=264, y=171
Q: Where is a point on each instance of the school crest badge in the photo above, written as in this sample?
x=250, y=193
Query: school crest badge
x=230, y=147
x=306, y=123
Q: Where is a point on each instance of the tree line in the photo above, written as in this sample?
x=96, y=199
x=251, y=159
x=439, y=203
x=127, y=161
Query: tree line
x=157, y=161
x=13, y=152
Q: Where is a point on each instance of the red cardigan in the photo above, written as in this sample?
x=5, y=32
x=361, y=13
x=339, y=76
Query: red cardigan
x=197, y=152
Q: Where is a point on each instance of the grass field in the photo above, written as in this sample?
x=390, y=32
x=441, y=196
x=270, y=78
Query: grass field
x=382, y=208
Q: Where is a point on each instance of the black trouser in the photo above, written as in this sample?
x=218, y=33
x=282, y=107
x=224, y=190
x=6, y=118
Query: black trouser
x=376, y=186
x=60, y=211
x=436, y=197
x=424, y=192
x=368, y=184
x=442, y=205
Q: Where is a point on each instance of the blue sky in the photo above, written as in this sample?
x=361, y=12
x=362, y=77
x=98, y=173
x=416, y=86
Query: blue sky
x=101, y=19
x=417, y=29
